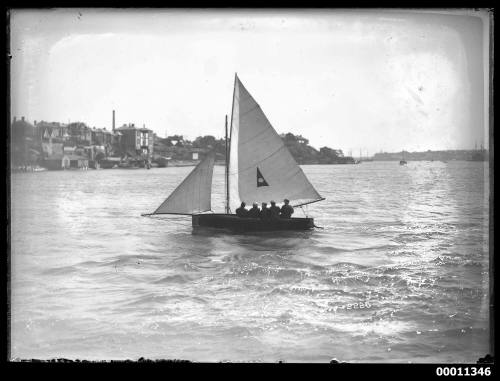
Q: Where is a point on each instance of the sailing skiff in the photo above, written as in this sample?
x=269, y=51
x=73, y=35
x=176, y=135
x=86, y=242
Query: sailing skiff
x=259, y=168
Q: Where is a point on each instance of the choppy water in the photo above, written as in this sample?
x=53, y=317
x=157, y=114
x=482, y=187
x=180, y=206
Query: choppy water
x=93, y=279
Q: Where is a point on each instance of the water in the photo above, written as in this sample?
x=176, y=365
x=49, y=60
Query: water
x=92, y=279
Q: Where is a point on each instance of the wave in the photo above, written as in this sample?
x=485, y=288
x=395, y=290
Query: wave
x=176, y=279
x=64, y=270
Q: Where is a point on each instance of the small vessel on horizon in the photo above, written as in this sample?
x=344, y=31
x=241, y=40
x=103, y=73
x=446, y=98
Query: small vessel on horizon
x=403, y=161
x=258, y=168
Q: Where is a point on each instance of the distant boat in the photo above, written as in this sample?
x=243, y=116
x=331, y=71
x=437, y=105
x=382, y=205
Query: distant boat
x=162, y=161
x=403, y=161
x=129, y=166
x=109, y=162
x=259, y=168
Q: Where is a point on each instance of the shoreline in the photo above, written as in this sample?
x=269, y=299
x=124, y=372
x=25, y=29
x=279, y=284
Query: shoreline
x=193, y=163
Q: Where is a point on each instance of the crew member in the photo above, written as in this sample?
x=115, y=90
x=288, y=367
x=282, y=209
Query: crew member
x=254, y=212
x=241, y=211
x=264, y=213
x=286, y=210
x=274, y=210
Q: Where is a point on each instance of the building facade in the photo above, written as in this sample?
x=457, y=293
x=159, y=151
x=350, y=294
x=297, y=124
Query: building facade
x=49, y=142
x=136, y=141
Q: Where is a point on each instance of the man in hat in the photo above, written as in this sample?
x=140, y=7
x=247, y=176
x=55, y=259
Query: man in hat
x=286, y=210
x=241, y=211
x=274, y=210
x=254, y=212
x=264, y=213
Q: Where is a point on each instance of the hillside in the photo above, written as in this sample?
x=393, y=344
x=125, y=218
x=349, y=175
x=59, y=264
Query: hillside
x=178, y=148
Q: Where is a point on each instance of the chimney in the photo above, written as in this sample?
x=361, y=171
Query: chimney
x=113, y=120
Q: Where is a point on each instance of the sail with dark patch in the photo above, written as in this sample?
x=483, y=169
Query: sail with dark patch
x=257, y=148
x=261, y=181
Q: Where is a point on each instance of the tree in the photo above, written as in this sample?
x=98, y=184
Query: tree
x=207, y=141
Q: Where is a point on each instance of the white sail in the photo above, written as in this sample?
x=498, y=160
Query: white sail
x=194, y=193
x=261, y=168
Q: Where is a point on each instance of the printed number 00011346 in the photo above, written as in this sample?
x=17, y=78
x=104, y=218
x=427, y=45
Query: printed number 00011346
x=463, y=371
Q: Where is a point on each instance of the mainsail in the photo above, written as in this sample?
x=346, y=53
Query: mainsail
x=261, y=168
x=194, y=193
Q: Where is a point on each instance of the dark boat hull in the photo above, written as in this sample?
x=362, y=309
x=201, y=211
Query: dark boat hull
x=235, y=223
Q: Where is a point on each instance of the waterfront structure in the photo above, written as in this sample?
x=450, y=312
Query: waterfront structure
x=66, y=161
x=79, y=134
x=51, y=131
x=136, y=142
x=49, y=142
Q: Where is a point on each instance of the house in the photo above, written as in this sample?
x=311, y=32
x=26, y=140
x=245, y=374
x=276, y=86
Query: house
x=136, y=140
x=23, y=139
x=50, y=149
x=51, y=131
x=20, y=130
x=79, y=134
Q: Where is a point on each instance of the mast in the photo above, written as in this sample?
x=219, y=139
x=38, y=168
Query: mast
x=228, y=147
x=227, y=174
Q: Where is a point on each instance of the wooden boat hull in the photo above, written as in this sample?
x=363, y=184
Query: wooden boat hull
x=235, y=223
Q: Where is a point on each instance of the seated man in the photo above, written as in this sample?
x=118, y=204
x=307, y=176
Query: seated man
x=274, y=210
x=241, y=211
x=254, y=212
x=286, y=210
x=265, y=213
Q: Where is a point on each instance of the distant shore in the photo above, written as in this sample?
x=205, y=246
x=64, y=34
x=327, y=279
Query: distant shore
x=193, y=163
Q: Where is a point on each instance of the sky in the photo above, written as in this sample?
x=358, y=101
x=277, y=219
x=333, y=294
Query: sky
x=356, y=80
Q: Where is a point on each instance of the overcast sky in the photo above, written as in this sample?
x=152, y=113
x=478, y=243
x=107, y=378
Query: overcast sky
x=370, y=80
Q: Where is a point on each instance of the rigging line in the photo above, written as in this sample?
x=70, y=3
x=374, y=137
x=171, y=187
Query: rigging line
x=310, y=202
x=228, y=146
x=256, y=136
x=245, y=99
x=249, y=111
x=306, y=178
x=179, y=214
x=260, y=161
x=291, y=175
x=301, y=191
x=301, y=208
x=197, y=190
